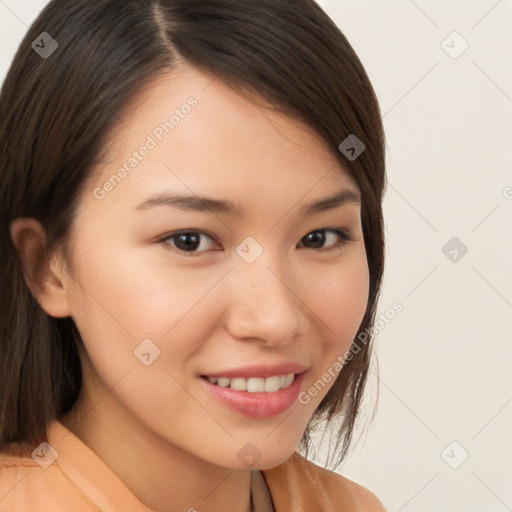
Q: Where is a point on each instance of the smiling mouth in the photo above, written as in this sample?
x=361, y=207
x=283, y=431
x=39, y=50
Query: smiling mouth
x=255, y=396
x=253, y=384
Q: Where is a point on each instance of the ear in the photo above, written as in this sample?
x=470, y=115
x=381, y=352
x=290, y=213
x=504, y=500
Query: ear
x=48, y=288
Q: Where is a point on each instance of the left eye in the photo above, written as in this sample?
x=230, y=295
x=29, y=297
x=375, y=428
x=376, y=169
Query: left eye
x=188, y=242
x=342, y=235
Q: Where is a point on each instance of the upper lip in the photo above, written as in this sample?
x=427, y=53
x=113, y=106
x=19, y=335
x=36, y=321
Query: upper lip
x=259, y=370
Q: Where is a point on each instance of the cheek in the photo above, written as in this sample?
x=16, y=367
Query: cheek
x=342, y=301
x=341, y=296
x=118, y=306
x=134, y=313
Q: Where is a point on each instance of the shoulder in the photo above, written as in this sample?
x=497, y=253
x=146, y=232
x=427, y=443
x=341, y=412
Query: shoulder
x=28, y=485
x=335, y=482
x=367, y=499
x=310, y=483
x=13, y=468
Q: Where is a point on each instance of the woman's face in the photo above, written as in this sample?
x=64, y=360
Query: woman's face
x=246, y=298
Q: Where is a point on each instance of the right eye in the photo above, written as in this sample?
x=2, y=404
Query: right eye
x=187, y=242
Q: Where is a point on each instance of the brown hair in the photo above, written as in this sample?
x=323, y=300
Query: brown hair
x=55, y=115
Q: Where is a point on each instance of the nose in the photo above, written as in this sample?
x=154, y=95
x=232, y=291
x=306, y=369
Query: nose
x=263, y=304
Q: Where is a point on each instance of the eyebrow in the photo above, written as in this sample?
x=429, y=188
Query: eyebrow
x=196, y=203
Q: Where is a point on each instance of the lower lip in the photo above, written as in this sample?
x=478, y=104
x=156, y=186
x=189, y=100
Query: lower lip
x=256, y=405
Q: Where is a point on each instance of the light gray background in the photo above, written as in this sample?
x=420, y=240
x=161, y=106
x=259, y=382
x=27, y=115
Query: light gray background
x=445, y=361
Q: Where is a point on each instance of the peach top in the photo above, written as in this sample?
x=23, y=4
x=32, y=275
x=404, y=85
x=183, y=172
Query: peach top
x=77, y=480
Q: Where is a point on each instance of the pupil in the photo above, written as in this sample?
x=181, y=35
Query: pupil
x=188, y=241
x=317, y=236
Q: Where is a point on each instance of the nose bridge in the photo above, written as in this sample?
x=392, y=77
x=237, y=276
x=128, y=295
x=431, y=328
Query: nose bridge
x=263, y=304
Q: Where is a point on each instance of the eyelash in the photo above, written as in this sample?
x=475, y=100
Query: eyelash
x=343, y=234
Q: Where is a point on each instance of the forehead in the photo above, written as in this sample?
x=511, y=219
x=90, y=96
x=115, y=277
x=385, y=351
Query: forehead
x=203, y=136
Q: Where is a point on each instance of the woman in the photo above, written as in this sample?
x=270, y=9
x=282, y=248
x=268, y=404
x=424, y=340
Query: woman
x=192, y=253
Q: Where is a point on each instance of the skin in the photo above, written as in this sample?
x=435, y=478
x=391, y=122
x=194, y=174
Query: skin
x=155, y=426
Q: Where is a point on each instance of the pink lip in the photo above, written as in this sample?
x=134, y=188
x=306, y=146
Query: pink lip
x=259, y=370
x=256, y=405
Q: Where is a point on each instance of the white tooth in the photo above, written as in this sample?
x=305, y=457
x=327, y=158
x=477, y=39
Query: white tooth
x=255, y=385
x=288, y=379
x=273, y=384
x=223, y=382
x=239, y=384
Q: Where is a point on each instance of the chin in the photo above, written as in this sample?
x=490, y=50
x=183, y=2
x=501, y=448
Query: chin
x=255, y=455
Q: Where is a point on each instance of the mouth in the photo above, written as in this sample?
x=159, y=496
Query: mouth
x=255, y=397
